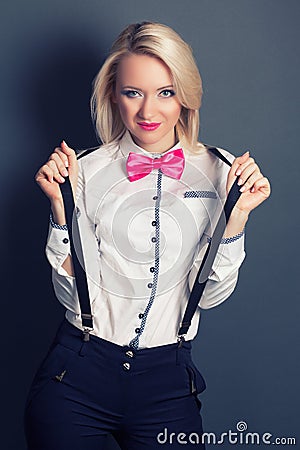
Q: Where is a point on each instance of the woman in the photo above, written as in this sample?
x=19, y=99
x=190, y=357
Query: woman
x=146, y=203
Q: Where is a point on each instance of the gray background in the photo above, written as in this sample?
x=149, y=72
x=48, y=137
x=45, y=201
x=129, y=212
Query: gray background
x=247, y=348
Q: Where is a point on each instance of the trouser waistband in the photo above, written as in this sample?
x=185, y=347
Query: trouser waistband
x=113, y=354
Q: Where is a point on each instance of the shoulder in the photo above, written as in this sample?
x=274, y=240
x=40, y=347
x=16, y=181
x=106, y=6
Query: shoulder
x=209, y=157
x=204, y=163
x=91, y=162
x=205, y=151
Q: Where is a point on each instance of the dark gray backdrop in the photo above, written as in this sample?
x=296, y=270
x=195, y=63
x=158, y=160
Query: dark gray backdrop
x=248, y=348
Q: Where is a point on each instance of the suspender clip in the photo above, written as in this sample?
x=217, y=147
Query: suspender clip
x=180, y=339
x=86, y=334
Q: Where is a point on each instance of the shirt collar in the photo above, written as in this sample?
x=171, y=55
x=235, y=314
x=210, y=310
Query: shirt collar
x=127, y=145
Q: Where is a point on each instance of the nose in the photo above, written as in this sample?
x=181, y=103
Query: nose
x=147, y=110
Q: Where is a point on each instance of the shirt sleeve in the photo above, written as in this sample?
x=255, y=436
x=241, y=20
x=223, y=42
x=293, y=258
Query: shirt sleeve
x=231, y=254
x=58, y=248
x=224, y=272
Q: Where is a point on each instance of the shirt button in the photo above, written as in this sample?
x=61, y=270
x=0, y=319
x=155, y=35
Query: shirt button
x=153, y=239
x=137, y=330
x=126, y=366
x=65, y=240
x=155, y=197
x=129, y=353
x=152, y=269
x=154, y=223
x=149, y=285
x=141, y=315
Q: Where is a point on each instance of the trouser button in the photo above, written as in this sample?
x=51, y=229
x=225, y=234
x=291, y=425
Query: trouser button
x=126, y=366
x=129, y=353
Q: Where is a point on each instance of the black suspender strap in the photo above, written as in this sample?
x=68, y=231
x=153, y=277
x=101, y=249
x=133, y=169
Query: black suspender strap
x=210, y=253
x=77, y=256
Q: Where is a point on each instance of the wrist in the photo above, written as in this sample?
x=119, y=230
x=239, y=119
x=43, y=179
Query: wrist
x=237, y=222
x=58, y=212
x=240, y=215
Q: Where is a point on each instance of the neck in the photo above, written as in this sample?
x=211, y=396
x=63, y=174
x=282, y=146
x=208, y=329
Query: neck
x=159, y=147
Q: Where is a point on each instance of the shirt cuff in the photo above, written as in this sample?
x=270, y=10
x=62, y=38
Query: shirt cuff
x=55, y=225
x=58, y=248
x=229, y=257
x=229, y=240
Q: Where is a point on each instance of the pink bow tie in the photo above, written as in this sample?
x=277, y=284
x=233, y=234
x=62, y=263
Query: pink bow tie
x=139, y=166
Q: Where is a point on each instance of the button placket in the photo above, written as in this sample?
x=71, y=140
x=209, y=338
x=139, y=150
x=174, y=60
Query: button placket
x=153, y=285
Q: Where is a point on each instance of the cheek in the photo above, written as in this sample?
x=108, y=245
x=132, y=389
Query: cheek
x=174, y=112
x=127, y=111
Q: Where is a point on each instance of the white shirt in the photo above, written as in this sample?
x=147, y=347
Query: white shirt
x=142, y=253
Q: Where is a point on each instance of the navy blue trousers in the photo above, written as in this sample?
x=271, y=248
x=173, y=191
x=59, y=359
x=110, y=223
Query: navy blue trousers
x=84, y=391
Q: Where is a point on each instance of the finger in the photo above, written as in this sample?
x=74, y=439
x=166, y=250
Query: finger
x=236, y=164
x=56, y=175
x=247, y=172
x=240, y=160
x=255, y=176
x=262, y=185
x=72, y=159
x=44, y=173
x=59, y=163
x=234, y=167
x=243, y=165
x=62, y=156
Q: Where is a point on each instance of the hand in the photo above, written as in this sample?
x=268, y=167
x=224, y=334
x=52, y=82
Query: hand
x=61, y=163
x=254, y=186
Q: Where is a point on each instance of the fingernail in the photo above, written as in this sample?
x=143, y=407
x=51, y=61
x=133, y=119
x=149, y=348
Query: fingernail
x=238, y=172
x=240, y=181
x=64, y=142
x=66, y=163
x=65, y=173
x=247, y=152
x=252, y=189
x=242, y=189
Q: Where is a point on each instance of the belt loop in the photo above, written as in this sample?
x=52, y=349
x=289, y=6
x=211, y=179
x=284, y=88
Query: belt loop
x=177, y=356
x=83, y=348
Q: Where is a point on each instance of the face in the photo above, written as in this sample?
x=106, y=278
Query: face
x=147, y=102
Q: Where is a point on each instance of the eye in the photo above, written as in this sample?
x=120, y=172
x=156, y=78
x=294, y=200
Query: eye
x=167, y=93
x=130, y=93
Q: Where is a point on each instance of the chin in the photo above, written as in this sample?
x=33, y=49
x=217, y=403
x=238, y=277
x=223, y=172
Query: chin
x=147, y=138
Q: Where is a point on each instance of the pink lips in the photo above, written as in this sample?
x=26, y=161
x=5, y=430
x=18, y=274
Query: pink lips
x=149, y=126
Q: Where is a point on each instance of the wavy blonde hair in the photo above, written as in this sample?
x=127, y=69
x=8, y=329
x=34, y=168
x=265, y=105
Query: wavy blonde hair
x=159, y=41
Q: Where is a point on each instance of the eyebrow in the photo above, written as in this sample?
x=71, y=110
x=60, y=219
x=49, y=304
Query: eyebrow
x=139, y=89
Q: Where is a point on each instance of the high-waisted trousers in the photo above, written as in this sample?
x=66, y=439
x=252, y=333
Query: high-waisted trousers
x=84, y=391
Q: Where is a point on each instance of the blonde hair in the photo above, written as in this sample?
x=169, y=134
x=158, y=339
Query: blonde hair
x=160, y=41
